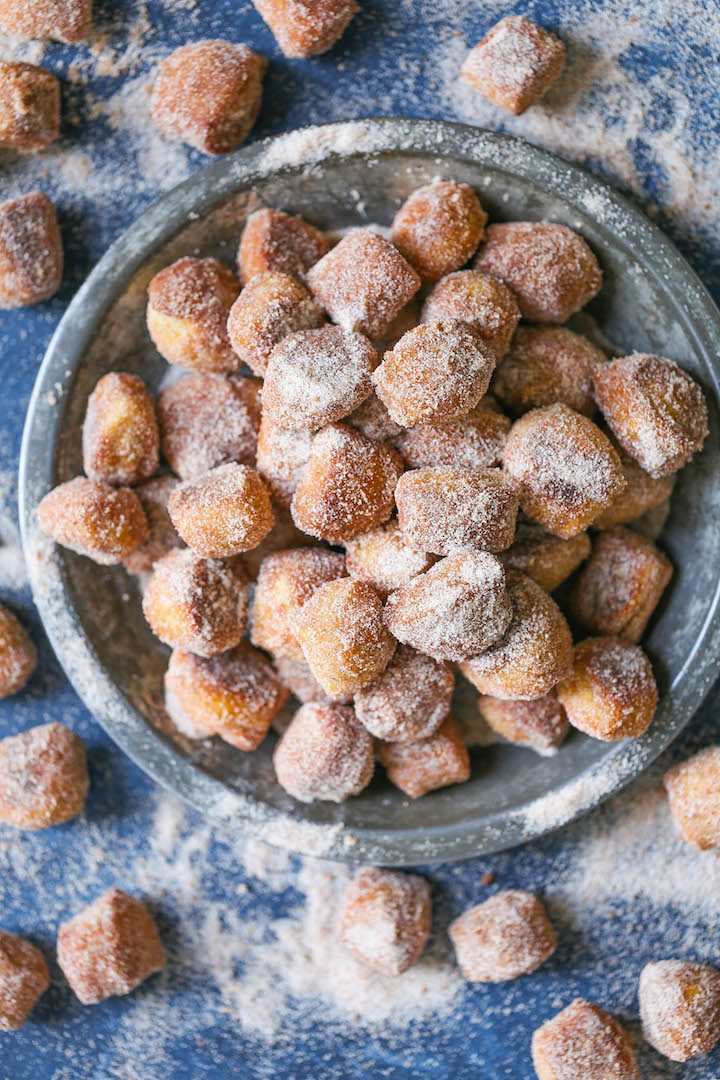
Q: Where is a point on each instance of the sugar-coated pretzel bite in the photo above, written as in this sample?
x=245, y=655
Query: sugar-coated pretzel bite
x=693, y=789
x=282, y=454
x=197, y=605
x=550, y=268
x=680, y=1008
x=439, y=227
x=57, y=20
x=641, y=495
x=43, y=777
x=162, y=534
x=476, y=298
x=363, y=283
x=31, y=251
x=515, y=63
x=504, y=937
x=436, y=372
x=546, y=364
x=426, y=764
x=474, y=441
x=446, y=510
x=454, y=610
x=278, y=242
x=234, y=695
x=656, y=410
x=583, y=1041
x=535, y=652
x=372, y=420
x=409, y=700
x=95, y=519
x=324, y=754
x=18, y=658
x=271, y=306
x=29, y=107
x=385, y=919
x=208, y=94
x=315, y=377
x=297, y=677
x=385, y=559
x=208, y=420
x=540, y=725
x=285, y=583
x=188, y=307
x=305, y=28
x=347, y=485
x=222, y=513
x=120, y=432
x=343, y=637
x=109, y=947
x=547, y=559
x=568, y=470
x=621, y=584
x=24, y=977
x=610, y=692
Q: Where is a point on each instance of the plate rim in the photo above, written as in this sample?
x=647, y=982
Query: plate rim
x=208, y=188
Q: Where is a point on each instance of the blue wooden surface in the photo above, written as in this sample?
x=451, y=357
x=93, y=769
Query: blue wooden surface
x=178, y=1028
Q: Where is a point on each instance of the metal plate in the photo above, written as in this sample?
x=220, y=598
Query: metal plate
x=336, y=176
